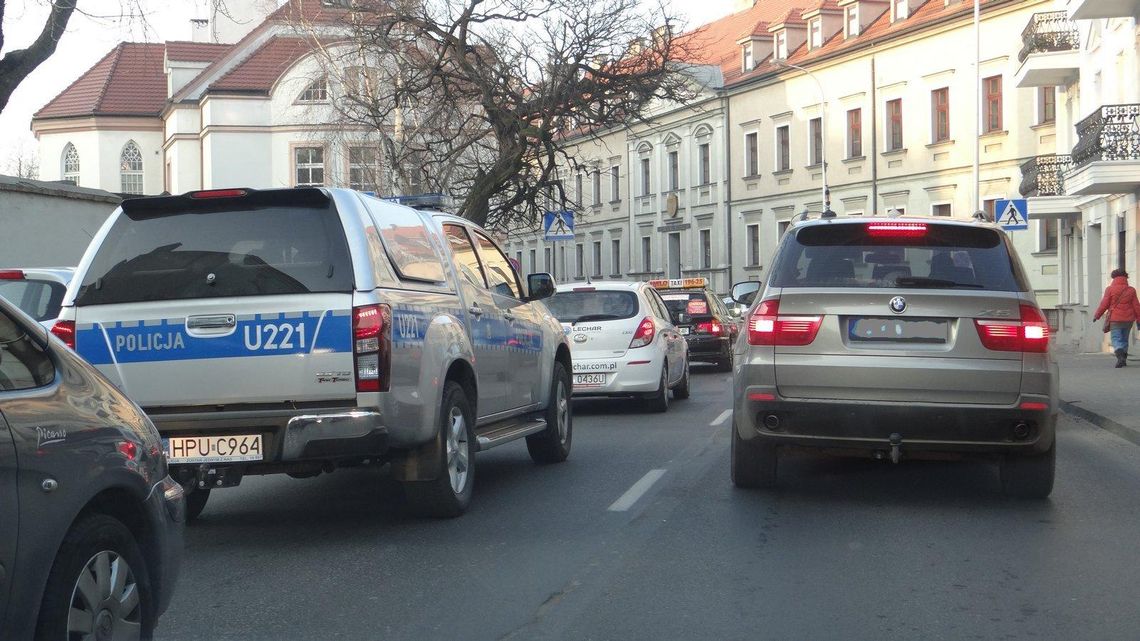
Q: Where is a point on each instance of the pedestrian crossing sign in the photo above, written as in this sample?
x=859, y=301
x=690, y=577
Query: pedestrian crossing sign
x=558, y=225
x=1011, y=214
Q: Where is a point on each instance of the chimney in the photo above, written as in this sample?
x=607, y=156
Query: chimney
x=200, y=30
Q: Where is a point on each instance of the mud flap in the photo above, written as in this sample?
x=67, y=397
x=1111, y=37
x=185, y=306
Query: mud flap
x=421, y=463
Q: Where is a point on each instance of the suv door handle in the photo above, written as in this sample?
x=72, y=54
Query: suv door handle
x=475, y=311
x=211, y=322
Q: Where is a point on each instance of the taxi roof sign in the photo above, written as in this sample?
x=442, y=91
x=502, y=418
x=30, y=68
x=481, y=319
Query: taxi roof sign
x=679, y=283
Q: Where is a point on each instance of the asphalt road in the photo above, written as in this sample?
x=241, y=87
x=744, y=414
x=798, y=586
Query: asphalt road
x=845, y=549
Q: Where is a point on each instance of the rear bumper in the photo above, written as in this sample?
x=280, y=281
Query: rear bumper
x=633, y=376
x=703, y=348
x=869, y=426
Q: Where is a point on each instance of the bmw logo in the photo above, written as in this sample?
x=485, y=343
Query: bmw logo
x=898, y=304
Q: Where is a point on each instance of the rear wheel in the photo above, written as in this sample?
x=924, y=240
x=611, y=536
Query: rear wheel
x=1029, y=477
x=449, y=494
x=659, y=400
x=753, y=463
x=552, y=445
x=196, y=502
x=681, y=392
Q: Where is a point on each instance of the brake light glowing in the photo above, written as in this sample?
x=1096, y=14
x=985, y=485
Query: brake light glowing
x=768, y=327
x=11, y=274
x=1029, y=334
x=372, y=347
x=644, y=334
x=889, y=229
x=217, y=193
x=710, y=327
x=64, y=330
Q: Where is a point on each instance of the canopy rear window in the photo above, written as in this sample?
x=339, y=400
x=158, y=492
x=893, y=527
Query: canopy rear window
x=225, y=252
x=574, y=306
x=898, y=255
x=693, y=303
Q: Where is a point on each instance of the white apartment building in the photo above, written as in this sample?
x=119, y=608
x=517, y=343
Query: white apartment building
x=1089, y=180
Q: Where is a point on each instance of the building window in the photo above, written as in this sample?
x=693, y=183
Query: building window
x=70, y=164
x=615, y=257
x=644, y=176
x=988, y=208
x=309, y=166
x=894, y=125
x=579, y=193
x=1046, y=105
x=646, y=254
x=674, y=170
x=1050, y=234
x=706, y=248
x=899, y=10
x=815, y=31
x=364, y=169
x=753, y=245
x=533, y=254
x=940, y=114
x=851, y=22
x=131, y=169
x=579, y=259
x=615, y=185
x=751, y=154
x=597, y=187
x=597, y=258
x=781, y=44
x=747, y=63
x=815, y=151
x=855, y=133
x=992, y=104
x=704, y=169
x=783, y=151
x=940, y=209
x=317, y=91
x=547, y=263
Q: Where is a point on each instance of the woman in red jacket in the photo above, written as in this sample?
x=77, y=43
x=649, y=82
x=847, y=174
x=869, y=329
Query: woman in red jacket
x=1123, y=310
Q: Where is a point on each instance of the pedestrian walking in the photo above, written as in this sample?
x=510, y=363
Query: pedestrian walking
x=1121, y=309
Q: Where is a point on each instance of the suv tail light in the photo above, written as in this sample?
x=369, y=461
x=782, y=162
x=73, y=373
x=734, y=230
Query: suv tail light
x=710, y=327
x=896, y=229
x=217, y=193
x=767, y=327
x=644, y=334
x=64, y=330
x=372, y=347
x=11, y=274
x=1029, y=334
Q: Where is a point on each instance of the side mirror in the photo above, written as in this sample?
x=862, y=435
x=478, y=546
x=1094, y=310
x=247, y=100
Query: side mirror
x=540, y=286
x=745, y=292
x=681, y=318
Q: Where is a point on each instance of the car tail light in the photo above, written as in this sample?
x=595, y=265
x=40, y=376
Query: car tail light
x=217, y=193
x=372, y=347
x=767, y=327
x=710, y=327
x=644, y=334
x=128, y=449
x=1029, y=334
x=888, y=229
x=11, y=274
x=64, y=330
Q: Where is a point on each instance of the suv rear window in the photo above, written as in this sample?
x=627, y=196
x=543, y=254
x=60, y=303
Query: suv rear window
x=575, y=306
x=39, y=299
x=691, y=303
x=216, y=254
x=932, y=256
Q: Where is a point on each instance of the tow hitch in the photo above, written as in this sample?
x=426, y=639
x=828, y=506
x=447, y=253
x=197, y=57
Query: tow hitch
x=207, y=477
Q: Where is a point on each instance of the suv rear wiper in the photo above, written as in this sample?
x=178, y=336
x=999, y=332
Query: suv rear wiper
x=594, y=317
x=921, y=281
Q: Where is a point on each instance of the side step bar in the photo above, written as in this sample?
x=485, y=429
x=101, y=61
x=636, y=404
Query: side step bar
x=499, y=434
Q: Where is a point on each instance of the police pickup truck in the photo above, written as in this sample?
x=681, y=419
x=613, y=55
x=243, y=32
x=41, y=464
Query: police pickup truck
x=298, y=330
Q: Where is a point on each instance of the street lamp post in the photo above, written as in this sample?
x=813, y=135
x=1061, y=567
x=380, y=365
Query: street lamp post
x=827, y=213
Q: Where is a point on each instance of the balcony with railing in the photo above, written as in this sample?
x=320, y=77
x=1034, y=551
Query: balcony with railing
x=1043, y=184
x=1049, y=55
x=1096, y=9
x=1106, y=158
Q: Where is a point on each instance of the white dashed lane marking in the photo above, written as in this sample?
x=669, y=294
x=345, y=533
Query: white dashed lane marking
x=638, y=490
x=722, y=418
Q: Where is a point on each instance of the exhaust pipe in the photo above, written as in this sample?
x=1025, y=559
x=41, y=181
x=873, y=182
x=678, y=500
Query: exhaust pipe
x=772, y=422
x=1021, y=431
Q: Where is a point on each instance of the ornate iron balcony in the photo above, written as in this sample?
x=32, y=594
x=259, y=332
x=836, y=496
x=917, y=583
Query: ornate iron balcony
x=1049, y=31
x=1109, y=133
x=1045, y=175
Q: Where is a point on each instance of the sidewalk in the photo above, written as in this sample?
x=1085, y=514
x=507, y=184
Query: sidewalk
x=1092, y=389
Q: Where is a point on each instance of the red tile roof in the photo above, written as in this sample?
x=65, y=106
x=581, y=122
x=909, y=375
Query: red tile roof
x=195, y=51
x=128, y=81
x=715, y=42
x=258, y=72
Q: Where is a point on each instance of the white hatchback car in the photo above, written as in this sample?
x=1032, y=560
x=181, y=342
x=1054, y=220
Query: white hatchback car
x=623, y=342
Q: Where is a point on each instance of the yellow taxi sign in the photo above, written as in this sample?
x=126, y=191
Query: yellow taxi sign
x=679, y=283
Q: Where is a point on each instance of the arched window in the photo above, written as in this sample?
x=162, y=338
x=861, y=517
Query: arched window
x=71, y=164
x=131, y=169
x=318, y=91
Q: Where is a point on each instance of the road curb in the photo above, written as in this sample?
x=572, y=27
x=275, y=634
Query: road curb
x=1129, y=434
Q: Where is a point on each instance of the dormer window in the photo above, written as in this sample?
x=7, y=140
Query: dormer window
x=851, y=21
x=815, y=33
x=781, y=44
x=899, y=10
x=748, y=62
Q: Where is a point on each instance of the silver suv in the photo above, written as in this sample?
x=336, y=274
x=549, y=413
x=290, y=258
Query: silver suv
x=891, y=338
x=298, y=330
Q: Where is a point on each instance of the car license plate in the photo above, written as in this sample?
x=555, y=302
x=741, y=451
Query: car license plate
x=684, y=331
x=898, y=330
x=589, y=380
x=213, y=449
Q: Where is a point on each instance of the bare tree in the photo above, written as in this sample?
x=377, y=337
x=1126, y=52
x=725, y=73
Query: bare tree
x=17, y=64
x=23, y=163
x=481, y=98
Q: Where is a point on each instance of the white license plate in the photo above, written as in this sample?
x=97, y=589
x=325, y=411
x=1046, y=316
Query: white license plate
x=589, y=380
x=685, y=331
x=213, y=449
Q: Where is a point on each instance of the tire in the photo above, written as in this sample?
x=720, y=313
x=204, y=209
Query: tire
x=753, y=463
x=659, y=400
x=195, y=503
x=681, y=392
x=1029, y=477
x=449, y=494
x=552, y=445
x=97, y=541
